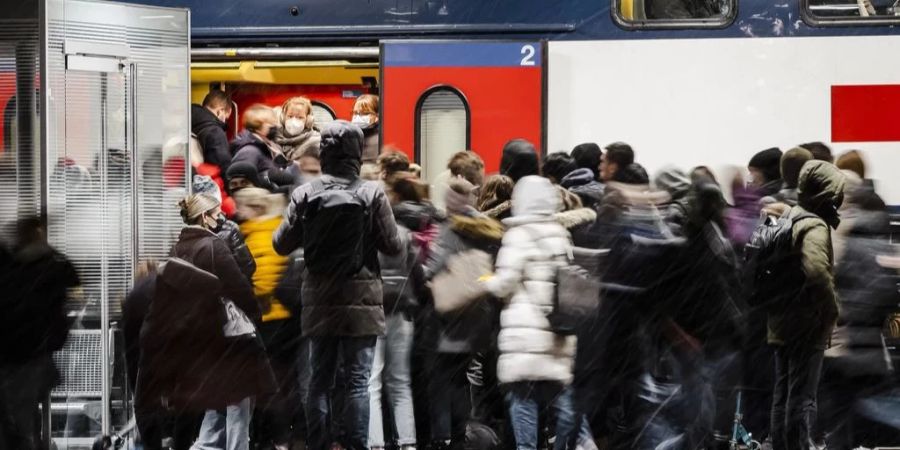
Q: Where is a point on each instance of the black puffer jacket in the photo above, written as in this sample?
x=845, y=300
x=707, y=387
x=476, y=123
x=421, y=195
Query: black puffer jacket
x=210, y=131
x=581, y=182
x=231, y=234
x=345, y=305
x=248, y=148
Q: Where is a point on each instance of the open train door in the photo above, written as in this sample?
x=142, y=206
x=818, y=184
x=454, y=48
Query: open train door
x=95, y=142
x=440, y=97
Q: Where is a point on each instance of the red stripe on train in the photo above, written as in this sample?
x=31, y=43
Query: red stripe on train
x=865, y=113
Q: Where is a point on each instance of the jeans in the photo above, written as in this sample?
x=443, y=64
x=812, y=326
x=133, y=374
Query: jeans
x=526, y=400
x=797, y=372
x=358, y=353
x=450, y=398
x=226, y=430
x=392, y=361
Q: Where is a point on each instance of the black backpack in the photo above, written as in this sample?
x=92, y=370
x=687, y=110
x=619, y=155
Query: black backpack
x=336, y=224
x=773, y=270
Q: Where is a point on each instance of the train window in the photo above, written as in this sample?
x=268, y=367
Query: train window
x=442, y=128
x=843, y=12
x=323, y=113
x=640, y=14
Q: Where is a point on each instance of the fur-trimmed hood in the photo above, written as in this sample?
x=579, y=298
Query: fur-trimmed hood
x=478, y=228
x=576, y=217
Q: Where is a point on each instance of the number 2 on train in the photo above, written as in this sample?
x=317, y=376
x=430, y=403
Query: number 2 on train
x=528, y=59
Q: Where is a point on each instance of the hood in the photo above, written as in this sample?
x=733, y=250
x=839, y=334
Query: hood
x=534, y=197
x=478, y=228
x=672, y=180
x=245, y=138
x=340, y=149
x=578, y=177
x=575, y=217
x=821, y=190
x=202, y=118
x=519, y=160
x=416, y=216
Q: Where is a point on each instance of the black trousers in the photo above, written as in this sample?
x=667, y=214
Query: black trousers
x=794, y=403
x=451, y=398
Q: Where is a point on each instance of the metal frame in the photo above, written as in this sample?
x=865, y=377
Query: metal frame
x=672, y=24
x=417, y=118
x=812, y=20
x=330, y=110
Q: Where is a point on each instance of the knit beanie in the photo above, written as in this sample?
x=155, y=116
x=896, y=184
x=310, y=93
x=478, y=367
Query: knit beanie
x=791, y=163
x=853, y=162
x=768, y=162
x=205, y=185
x=244, y=170
x=459, y=197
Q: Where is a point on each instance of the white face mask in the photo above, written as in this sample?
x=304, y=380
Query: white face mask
x=294, y=126
x=361, y=119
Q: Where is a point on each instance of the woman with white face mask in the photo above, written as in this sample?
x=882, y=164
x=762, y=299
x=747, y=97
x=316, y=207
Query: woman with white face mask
x=298, y=136
x=365, y=115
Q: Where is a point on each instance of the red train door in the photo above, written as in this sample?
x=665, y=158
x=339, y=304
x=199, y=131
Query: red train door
x=440, y=97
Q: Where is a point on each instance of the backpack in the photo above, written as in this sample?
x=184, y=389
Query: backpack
x=773, y=270
x=336, y=223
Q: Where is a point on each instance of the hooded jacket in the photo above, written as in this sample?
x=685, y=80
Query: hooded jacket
x=210, y=131
x=345, y=305
x=582, y=183
x=534, y=247
x=248, y=148
x=519, y=160
x=809, y=319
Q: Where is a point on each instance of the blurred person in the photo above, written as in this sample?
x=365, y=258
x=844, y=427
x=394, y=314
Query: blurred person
x=677, y=184
x=557, y=165
x=857, y=364
x=535, y=364
x=743, y=216
x=853, y=161
x=460, y=335
x=800, y=324
x=576, y=218
x=308, y=167
x=791, y=163
x=495, y=198
x=618, y=155
x=765, y=171
x=519, y=160
x=391, y=162
x=700, y=173
x=366, y=112
x=409, y=200
x=226, y=229
x=202, y=323
x=38, y=281
x=583, y=183
x=256, y=145
x=587, y=156
x=280, y=328
x=298, y=135
x=208, y=124
x=403, y=286
x=819, y=151
x=342, y=222
x=242, y=175
x=416, y=170
x=467, y=164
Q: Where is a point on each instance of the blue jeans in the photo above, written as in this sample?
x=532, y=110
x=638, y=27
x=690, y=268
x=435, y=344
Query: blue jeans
x=392, y=363
x=527, y=400
x=226, y=430
x=357, y=353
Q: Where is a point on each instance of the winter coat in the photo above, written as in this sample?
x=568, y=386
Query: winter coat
x=534, y=247
x=248, y=148
x=134, y=310
x=371, y=143
x=231, y=234
x=404, y=273
x=423, y=220
x=270, y=266
x=294, y=147
x=578, y=223
x=469, y=330
x=343, y=305
x=210, y=131
x=582, y=183
x=786, y=195
x=868, y=295
x=809, y=319
x=184, y=352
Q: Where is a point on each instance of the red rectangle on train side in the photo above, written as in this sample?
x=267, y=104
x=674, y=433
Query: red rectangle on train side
x=865, y=113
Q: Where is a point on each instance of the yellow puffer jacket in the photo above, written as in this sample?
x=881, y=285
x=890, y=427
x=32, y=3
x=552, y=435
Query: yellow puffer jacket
x=270, y=266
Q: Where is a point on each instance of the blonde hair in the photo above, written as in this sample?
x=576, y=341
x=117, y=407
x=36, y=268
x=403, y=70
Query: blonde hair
x=193, y=206
x=367, y=103
x=256, y=115
x=302, y=102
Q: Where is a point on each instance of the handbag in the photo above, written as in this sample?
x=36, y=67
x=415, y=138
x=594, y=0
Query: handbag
x=457, y=286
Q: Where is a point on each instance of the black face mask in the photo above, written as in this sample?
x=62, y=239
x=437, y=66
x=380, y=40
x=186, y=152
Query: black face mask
x=272, y=133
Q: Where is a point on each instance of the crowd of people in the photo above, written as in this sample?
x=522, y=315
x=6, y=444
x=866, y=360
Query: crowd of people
x=300, y=306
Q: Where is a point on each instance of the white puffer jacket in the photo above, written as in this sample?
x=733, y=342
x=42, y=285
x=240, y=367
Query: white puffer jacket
x=533, y=248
